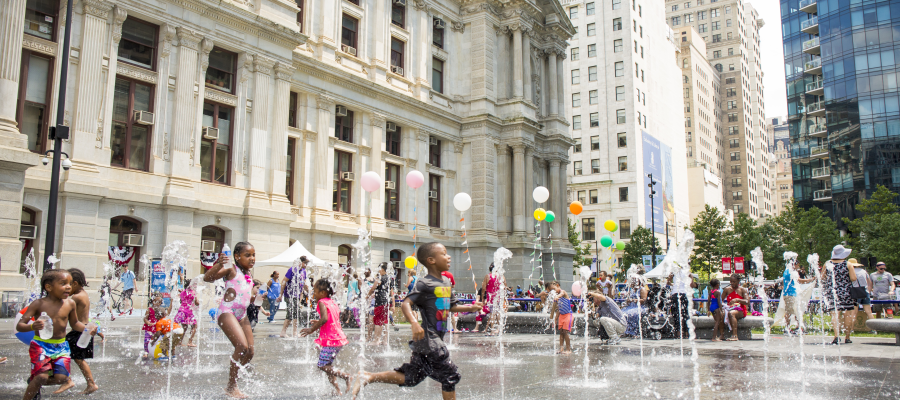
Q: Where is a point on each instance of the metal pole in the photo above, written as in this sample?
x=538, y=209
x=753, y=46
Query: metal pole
x=667, y=236
x=652, y=221
x=58, y=133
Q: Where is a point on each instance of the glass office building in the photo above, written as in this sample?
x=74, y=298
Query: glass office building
x=842, y=71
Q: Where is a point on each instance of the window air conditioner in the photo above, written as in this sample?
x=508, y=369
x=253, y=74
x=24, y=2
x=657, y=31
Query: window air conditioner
x=396, y=265
x=340, y=111
x=433, y=141
x=208, y=246
x=390, y=185
x=391, y=127
x=349, y=50
x=346, y=176
x=210, y=133
x=143, y=117
x=134, y=240
x=30, y=231
x=397, y=70
x=433, y=194
x=439, y=23
x=342, y=259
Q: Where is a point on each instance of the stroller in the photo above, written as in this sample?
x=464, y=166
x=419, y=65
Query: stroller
x=656, y=322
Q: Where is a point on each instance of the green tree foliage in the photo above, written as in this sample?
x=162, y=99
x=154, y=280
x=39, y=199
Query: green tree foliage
x=641, y=243
x=582, y=249
x=711, y=238
x=805, y=232
x=884, y=246
x=875, y=233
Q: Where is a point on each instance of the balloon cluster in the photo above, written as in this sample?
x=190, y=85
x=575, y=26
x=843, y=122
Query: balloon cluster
x=576, y=208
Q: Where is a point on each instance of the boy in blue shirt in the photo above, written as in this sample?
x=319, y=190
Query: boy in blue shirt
x=789, y=294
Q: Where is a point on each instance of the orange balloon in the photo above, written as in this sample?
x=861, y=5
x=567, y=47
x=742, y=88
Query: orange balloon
x=576, y=207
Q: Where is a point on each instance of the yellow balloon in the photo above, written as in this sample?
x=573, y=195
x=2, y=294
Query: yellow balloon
x=410, y=262
x=610, y=225
x=540, y=214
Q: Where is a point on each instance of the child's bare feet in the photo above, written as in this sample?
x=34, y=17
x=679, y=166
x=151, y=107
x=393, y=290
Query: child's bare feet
x=235, y=393
x=68, y=384
x=347, y=381
x=359, y=381
x=715, y=339
x=91, y=388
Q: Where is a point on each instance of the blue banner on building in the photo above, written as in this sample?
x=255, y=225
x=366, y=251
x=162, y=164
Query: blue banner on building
x=658, y=161
x=158, y=281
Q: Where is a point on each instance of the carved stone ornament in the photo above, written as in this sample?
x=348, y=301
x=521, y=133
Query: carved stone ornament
x=206, y=46
x=451, y=174
x=97, y=8
x=420, y=5
x=119, y=16
x=458, y=147
x=502, y=149
x=165, y=155
x=310, y=136
x=187, y=38
x=140, y=74
x=263, y=65
x=99, y=144
x=332, y=141
x=422, y=136
x=412, y=163
x=220, y=97
x=365, y=150
x=39, y=45
x=284, y=71
x=378, y=120
x=324, y=102
x=458, y=27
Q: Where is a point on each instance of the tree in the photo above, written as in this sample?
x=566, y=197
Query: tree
x=710, y=236
x=884, y=245
x=581, y=248
x=870, y=229
x=805, y=232
x=641, y=244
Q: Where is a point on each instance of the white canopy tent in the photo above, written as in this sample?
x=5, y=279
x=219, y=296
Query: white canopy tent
x=287, y=258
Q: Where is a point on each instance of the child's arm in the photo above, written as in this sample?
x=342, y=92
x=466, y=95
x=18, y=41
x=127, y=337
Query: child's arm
x=474, y=307
x=417, y=332
x=316, y=325
x=30, y=313
x=77, y=325
x=217, y=271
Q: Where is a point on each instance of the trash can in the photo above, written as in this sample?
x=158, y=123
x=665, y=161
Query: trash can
x=11, y=303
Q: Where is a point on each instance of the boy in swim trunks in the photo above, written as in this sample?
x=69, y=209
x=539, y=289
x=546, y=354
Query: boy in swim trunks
x=432, y=295
x=50, y=358
x=565, y=319
x=82, y=308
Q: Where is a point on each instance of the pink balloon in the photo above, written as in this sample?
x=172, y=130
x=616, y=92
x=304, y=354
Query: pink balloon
x=415, y=179
x=370, y=181
x=576, y=289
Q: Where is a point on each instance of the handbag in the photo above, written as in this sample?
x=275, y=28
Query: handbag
x=858, y=292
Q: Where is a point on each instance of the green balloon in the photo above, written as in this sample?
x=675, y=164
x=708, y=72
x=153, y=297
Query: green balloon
x=550, y=216
x=620, y=245
x=606, y=241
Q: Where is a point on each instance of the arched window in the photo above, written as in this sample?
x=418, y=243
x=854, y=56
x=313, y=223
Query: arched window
x=344, y=255
x=719, y=67
x=28, y=236
x=119, y=230
x=212, y=238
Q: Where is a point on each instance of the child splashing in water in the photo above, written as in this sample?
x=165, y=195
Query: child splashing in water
x=232, y=312
x=331, y=337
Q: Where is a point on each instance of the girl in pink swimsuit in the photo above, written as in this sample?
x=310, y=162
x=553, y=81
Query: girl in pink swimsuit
x=232, y=312
x=331, y=336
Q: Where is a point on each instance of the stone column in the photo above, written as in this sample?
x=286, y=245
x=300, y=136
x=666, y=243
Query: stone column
x=259, y=131
x=518, y=79
x=518, y=188
x=529, y=188
x=87, y=133
x=554, y=83
x=325, y=129
x=526, y=60
x=503, y=188
x=283, y=73
x=12, y=28
x=560, y=90
x=378, y=131
x=562, y=225
x=160, y=134
x=184, y=107
x=555, y=187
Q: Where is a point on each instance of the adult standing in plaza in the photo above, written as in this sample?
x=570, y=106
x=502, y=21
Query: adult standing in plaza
x=292, y=291
x=862, y=281
x=836, y=282
x=273, y=291
x=127, y=278
x=382, y=292
x=883, y=287
x=610, y=316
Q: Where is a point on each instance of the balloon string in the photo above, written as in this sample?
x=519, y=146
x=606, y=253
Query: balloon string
x=552, y=261
x=415, y=225
x=466, y=242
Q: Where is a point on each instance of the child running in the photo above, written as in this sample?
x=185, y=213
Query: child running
x=715, y=309
x=566, y=318
x=331, y=337
x=185, y=314
x=232, y=312
x=50, y=358
x=253, y=309
x=430, y=358
x=82, y=309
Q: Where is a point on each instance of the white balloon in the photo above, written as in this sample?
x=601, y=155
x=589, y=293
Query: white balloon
x=462, y=201
x=540, y=194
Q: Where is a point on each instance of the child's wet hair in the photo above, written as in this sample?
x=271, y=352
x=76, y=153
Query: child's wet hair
x=427, y=250
x=241, y=246
x=383, y=266
x=714, y=282
x=325, y=286
x=78, y=277
x=256, y=283
x=550, y=284
x=50, y=277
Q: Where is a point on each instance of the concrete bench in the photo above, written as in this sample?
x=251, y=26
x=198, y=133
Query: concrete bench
x=886, y=325
x=524, y=322
x=703, y=327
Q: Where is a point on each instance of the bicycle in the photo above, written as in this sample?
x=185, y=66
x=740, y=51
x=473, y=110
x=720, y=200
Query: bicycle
x=121, y=303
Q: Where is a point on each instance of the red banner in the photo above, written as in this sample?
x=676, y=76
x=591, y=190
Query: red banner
x=739, y=265
x=726, y=265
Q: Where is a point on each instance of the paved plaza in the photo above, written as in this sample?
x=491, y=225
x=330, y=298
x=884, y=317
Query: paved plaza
x=526, y=368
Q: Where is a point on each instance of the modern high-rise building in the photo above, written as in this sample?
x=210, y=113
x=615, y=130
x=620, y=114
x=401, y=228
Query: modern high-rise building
x=623, y=92
x=843, y=107
x=780, y=144
x=730, y=29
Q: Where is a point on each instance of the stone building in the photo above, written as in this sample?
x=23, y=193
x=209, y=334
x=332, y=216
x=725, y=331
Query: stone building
x=214, y=122
x=779, y=134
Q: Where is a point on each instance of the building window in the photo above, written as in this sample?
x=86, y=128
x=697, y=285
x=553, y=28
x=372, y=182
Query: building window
x=398, y=15
x=27, y=236
x=437, y=34
x=731, y=67
x=576, y=76
x=736, y=169
x=392, y=141
x=595, y=120
x=301, y=7
x=702, y=28
x=587, y=229
x=33, y=106
x=573, y=12
x=732, y=143
x=735, y=156
x=292, y=110
x=215, y=153
x=623, y=163
x=717, y=38
x=738, y=208
x=595, y=166
x=138, y=43
x=343, y=127
x=620, y=116
x=732, y=130
x=576, y=168
x=622, y=139
x=392, y=196
x=119, y=227
x=582, y=196
x=40, y=18
x=714, y=13
x=592, y=50
x=341, y=189
x=624, y=229
x=732, y=105
x=349, y=29
x=576, y=99
x=592, y=95
x=130, y=142
x=397, y=48
x=434, y=151
x=575, y=53
x=434, y=204
x=676, y=21
x=735, y=182
x=716, y=25
x=617, y=45
x=591, y=29
x=620, y=93
x=732, y=117
x=589, y=8
x=437, y=75
x=594, y=196
x=577, y=145
x=595, y=142
x=739, y=195
x=617, y=24
x=592, y=74
x=289, y=170
x=716, y=54
x=576, y=122
x=620, y=68
x=730, y=92
x=220, y=73
x=623, y=194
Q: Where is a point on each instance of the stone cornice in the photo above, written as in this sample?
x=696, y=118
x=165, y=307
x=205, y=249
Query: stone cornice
x=263, y=64
x=141, y=74
x=220, y=97
x=39, y=45
x=284, y=71
x=237, y=17
x=325, y=103
x=97, y=8
x=188, y=38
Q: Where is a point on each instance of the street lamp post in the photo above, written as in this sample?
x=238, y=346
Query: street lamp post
x=652, y=220
x=57, y=134
x=733, y=263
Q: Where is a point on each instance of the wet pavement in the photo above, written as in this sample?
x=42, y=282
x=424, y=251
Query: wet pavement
x=526, y=368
